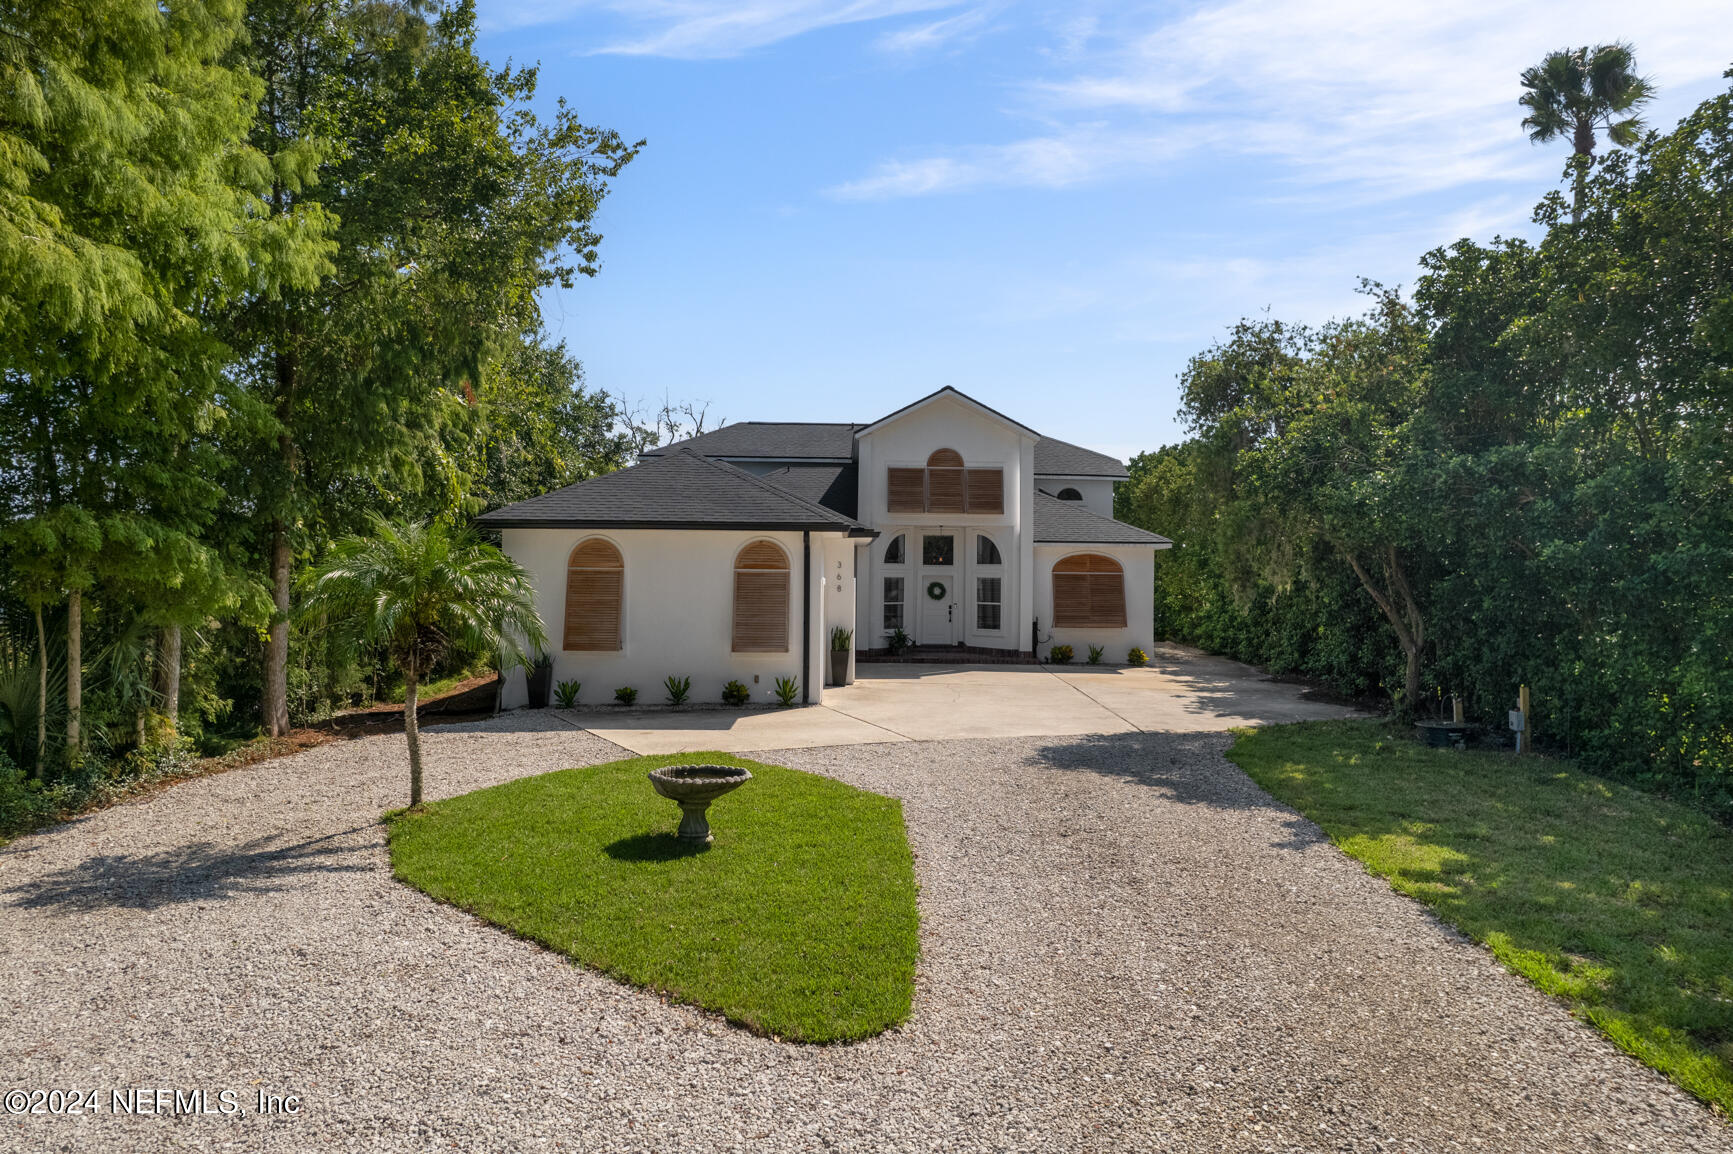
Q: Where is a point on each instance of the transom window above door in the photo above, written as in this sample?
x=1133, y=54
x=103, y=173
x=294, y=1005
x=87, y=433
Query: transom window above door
x=938, y=549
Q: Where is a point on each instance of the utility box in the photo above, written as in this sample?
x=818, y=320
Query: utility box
x=1516, y=721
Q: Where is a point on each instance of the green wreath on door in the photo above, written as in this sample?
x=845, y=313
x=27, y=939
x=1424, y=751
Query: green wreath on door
x=936, y=590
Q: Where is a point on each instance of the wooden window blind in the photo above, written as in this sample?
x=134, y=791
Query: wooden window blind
x=1088, y=592
x=986, y=490
x=595, y=587
x=945, y=491
x=945, y=486
x=761, y=579
x=908, y=490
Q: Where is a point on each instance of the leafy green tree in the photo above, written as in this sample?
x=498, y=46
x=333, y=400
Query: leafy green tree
x=414, y=592
x=129, y=207
x=1574, y=93
x=1526, y=474
x=1311, y=434
x=455, y=206
x=538, y=428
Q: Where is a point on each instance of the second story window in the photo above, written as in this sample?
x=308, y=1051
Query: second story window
x=946, y=485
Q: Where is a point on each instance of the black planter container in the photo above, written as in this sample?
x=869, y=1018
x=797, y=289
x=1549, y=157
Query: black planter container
x=839, y=666
x=541, y=682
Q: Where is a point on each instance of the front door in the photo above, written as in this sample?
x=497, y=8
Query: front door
x=938, y=610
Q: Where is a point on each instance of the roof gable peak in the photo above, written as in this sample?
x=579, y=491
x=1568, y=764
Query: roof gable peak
x=946, y=393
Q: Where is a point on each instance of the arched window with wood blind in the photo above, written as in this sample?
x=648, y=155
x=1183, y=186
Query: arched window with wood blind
x=945, y=485
x=595, y=588
x=761, y=579
x=945, y=482
x=1088, y=592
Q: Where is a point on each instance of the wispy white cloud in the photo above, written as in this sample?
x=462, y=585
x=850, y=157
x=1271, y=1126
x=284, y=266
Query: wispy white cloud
x=1077, y=156
x=934, y=34
x=1362, y=98
x=705, y=29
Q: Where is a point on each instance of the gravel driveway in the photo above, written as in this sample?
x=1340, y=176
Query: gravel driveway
x=1126, y=946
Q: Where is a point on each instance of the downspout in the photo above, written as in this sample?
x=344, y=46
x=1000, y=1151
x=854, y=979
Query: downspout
x=806, y=616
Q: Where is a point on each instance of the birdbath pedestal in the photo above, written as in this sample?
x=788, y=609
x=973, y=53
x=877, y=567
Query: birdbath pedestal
x=693, y=788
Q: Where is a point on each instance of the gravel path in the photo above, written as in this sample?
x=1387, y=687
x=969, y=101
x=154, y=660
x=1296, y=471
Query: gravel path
x=1126, y=946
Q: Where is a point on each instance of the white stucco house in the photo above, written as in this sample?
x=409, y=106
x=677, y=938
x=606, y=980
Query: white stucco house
x=732, y=555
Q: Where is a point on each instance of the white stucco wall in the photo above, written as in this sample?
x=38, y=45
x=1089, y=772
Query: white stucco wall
x=1097, y=492
x=983, y=441
x=1139, y=564
x=678, y=613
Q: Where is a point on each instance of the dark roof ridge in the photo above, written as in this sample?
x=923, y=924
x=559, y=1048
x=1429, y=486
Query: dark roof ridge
x=736, y=472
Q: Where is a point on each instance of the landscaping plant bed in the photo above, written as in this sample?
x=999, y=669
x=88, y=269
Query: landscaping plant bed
x=797, y=921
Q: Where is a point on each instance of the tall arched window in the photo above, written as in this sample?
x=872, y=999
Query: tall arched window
x=945, y=482
x=595, y=587
x=761, y=578
x=1088, y=592
x=894, y=554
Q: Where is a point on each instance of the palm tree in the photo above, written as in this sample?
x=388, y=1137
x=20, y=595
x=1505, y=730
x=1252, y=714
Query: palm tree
x=1574, y=92
x=416, y=591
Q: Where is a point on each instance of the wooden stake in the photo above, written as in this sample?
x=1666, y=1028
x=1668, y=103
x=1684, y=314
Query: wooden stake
x=1525, y=739
x=1456, y=709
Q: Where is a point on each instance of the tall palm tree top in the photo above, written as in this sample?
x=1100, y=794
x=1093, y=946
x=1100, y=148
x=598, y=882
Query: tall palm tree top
x=416, y=590
x=1576, y=91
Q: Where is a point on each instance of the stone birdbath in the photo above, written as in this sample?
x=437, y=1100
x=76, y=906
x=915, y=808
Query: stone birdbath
x=693, y=788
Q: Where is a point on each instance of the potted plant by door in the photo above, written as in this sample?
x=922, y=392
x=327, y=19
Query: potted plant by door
x=841, y=642
x=541, y=681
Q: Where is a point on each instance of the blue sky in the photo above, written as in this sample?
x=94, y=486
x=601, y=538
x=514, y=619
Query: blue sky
x=843, y=206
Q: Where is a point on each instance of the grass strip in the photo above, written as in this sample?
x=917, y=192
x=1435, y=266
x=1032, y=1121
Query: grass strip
x=1616, y=901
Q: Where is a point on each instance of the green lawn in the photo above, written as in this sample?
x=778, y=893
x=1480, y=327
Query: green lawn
x=798, y=921
x=1614, y=900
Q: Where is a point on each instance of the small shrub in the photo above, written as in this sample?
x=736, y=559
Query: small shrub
x=566, y=693
x=625, y=695
x=841, y=640
x=1137, y=656
x=1095, y=652
x=787, y=689
x=25, y=805
x=1060, y=654
x=899, y=641
x=679, y=689
x=736, y=693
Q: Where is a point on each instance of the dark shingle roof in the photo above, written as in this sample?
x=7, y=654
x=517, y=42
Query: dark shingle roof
x=771, y=441
x=833, y=486
x=1063, y=459
x=1069, y=523
x=679, y=490
x=808, y=441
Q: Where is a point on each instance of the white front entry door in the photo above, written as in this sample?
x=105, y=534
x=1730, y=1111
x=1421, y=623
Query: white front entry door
x=937, y=613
